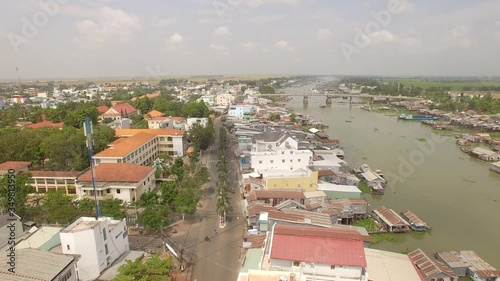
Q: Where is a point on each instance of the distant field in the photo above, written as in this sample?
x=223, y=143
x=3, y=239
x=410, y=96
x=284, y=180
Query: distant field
x=455, y=85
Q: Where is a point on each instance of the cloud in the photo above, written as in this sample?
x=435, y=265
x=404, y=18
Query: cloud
x=221, y=31
x=265, y=19
x=207, y=20
x=383, y=36
x=175, y=38
x=111, y=23
x=283, y=45
x=165, y=22
x=249, y=47
x=323, y=33
x=220, y=48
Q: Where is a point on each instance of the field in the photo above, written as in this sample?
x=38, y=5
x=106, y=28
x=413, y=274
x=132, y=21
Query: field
x=455, y=85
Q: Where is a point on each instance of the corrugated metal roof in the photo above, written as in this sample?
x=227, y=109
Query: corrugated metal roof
x=428, y=266
x=390, y=217
x=478, y=265
x=453, y=259
x=412, y=218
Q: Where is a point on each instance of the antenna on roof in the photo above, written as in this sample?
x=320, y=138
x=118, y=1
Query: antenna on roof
x=88, y=131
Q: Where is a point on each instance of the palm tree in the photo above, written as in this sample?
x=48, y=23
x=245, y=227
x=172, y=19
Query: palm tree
x=160, y=166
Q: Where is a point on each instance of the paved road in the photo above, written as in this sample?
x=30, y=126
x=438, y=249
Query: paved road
x=218, y=259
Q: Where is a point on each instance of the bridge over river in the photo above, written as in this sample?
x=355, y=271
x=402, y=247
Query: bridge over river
x=329, y=97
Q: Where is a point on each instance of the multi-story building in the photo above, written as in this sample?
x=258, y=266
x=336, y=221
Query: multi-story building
x=241, y=111
x=169, y=141
x=98, y=243
x=123, y=181
x=224, y=100
x=203, y=122
x=278, y=151
x=160, y=123
x=318, y=253
x=300, y=179
x=45, y=181
x=140, y=148
x=208, y=99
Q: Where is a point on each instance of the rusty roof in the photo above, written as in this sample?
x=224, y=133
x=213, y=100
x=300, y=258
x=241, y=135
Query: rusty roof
x=390, y=217
x=412, y=218
x=326, y=172
x=16, y=165
x=478, y=265
x=123, y=148
x=317, y=232
x=255, y=209
x=429, y=267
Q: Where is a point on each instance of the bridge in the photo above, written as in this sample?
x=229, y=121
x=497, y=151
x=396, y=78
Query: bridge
x=329, y=97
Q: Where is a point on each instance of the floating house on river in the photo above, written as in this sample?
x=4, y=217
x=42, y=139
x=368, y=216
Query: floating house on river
x=468, y=263
x=391, y=221
x=415, y=222
x=375, y=181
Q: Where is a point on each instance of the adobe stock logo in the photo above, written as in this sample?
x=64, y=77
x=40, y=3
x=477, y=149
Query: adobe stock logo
x=362, y=39
x=39, y=20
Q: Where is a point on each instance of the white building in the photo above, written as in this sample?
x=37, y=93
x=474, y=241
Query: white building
x=278, y=151
x=208, y=99
x=224, y=100
x=141, y=149
x=98, y=242
x=123, y=181
x=169, y=141
x=318, y=253
x=203, y=122
x=36, y=264
x=240, y=111
x=160, y=123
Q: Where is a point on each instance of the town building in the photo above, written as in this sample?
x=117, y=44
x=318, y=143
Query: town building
x=485, y=154
x=335, y=191
x=17, y=166
x=203, y=122
x=495, y=167
x=119, y=111
x=224, y=100
x=153, y=114
x=140, y=149
x=305, y=180
x=36, y=264
x=123, y=181
x=318, y=253
x=99, y=243
x=208, y=99
x=241, y=111
x=468, y=263
x=431, y=269
x=45, y=123
x=169, y=141
x=160, y=123
x=389, y=266
x=45, y=181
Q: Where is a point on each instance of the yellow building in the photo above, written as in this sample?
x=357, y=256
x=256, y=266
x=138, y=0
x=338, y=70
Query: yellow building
x=300, y=179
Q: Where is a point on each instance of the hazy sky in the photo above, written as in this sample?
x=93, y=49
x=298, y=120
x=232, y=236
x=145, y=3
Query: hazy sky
x=103, y=38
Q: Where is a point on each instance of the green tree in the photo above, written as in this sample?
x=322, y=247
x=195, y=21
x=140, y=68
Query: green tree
x=178, y=168
x=153, y=268
x=195, y=109
x=202, y=137
x=168, y=192
x=112, y=208
x=22, y=189
x=59, y=207
x=147, y=199
x=154, y=217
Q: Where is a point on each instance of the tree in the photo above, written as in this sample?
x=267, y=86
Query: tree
x=160, y=166
x=153, y=268
x=112, y=208
x=274, y=117
x=202, y=137
x=186, y=200
x=178, y=168
x=195, y=109
x=148, y=198
x=59, y=207
x=168, y=192
x=22, y=189
x=154, y=217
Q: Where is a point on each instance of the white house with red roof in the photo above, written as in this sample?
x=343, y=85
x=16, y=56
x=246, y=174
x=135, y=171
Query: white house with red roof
x=318, y=253
x=119, y=111
x=123, y=181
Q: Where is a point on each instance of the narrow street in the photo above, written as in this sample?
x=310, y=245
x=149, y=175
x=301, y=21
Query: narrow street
x=219, y=258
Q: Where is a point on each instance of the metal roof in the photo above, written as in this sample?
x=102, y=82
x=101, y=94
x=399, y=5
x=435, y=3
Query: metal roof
x=390, y=217
x=412, y=218
x=428, y=266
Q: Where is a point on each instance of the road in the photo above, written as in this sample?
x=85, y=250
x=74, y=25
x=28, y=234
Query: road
x=219, y=258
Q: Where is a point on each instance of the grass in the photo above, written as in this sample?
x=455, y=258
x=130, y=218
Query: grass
x=421, y=140
x=369, y=224
x=381, y=237
x=363, y=186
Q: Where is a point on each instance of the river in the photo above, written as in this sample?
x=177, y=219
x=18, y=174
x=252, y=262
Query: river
x=455, y=194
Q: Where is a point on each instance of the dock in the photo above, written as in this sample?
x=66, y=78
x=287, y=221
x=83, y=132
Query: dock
x=415, y=222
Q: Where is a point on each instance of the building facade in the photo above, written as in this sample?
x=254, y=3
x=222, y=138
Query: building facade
x=45, y=181
x=98, y=242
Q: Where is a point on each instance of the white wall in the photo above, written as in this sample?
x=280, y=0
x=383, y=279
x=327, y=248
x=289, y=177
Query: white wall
x=293, y=160
x=325, y=270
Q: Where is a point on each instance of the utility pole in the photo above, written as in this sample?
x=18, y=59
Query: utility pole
x=90, y=142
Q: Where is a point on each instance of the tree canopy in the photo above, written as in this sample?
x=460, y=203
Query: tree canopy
x=153, y=268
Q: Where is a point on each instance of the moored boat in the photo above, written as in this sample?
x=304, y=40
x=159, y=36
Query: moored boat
x=416, y=117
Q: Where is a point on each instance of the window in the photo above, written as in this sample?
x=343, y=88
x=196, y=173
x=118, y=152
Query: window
x=298, y=160
x=291, y=152
x=118, y=191
x=169, y=139
x=108, y=191
x=260, y=161
x=282, y=153
x=283, y=161
x=332, y=266
x=106, y=248
x=310, y=185
x=272, y=161
x=296, y=263
x=67, y=247
x=66, y=276
x=104, y=233
x=291, y=160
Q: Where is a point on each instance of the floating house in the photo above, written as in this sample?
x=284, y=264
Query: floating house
x=495, y=167
x=415, y=222
x=431, y=269
x=468, y=263
x=391, y=220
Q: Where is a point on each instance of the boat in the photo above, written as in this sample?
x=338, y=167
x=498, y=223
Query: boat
x=366, y=107
x=323, y=106
x=380, y=173
x=416, y=117
x=348, y=121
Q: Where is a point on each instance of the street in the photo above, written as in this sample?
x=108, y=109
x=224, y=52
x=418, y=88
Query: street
x=219, y=258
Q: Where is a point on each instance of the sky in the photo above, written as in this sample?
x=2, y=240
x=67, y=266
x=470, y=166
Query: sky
x=43, y=39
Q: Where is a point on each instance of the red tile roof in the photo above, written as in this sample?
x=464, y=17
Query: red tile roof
x=16, y=165
x=55, y=174
x=326, y=172
x=119, y=108
x=45, y=124
x=154, y=114
x=117, y=172
x=311, y=245
x=102, y=108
